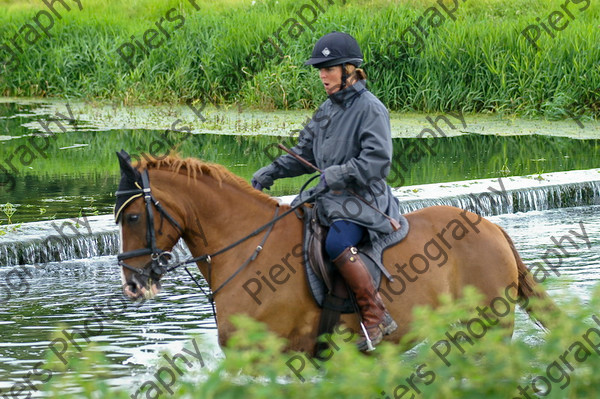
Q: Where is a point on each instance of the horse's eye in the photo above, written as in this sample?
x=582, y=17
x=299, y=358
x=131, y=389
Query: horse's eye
x=132, y=218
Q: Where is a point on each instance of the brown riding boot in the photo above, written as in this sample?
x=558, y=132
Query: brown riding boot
x=376, y=319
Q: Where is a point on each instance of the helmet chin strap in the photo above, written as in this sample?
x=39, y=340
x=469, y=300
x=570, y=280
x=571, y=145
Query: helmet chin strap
x=344, y=76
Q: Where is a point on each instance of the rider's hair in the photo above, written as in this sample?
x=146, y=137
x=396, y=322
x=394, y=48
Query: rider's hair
x=353, y=71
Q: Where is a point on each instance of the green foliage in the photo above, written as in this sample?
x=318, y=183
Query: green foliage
x=9, y=210
x=490, y=366
x=481, y=62
x=81, y=367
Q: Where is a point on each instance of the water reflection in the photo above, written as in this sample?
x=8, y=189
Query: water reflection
x=78, y=172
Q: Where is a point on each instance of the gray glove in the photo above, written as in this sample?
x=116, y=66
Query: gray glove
x=256, y=184
x=263, y=178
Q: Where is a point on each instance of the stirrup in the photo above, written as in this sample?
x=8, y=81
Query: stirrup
x=365, y=344
x=386, y=327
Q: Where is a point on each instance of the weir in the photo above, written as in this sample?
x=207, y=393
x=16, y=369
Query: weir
x=512, y=194
x=78, y=238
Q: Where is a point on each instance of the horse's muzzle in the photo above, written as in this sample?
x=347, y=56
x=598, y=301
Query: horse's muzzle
x=135, y=288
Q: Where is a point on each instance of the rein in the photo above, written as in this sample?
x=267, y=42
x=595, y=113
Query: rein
x=211, y=295
x=160, y=258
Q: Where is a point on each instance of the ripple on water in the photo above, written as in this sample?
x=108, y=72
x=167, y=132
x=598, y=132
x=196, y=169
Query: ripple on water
x=134, y=336
x=73, y=294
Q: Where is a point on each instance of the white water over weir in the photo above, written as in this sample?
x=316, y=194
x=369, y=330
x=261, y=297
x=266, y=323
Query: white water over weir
x=42, y=242
x=79, y=238
x=489, y=197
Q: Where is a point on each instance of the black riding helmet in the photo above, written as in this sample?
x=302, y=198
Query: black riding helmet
x=335, y=48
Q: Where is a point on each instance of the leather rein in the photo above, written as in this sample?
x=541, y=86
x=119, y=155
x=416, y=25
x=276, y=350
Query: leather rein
x=160, y=259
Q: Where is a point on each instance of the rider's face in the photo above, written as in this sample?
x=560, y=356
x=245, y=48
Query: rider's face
x=331, y=78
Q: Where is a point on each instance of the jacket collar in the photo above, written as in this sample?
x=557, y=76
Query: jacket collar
x=346, y=96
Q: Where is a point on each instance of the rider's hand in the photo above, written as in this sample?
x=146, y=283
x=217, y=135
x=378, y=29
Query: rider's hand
x=322, y=187
x=256, y=184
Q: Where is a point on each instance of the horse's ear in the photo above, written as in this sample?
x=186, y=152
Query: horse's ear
x=125, y=163
x=123, y=156
x=130, y=179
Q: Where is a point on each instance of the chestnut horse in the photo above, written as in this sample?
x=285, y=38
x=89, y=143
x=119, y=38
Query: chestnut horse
x=213, y=210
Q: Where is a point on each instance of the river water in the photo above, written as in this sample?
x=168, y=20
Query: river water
x=86, y=292
x=78, y=176
x=76, y=172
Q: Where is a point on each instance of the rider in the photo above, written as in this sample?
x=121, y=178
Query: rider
x=349, y=139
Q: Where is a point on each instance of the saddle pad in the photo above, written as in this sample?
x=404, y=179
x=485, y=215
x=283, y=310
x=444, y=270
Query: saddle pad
x=371, y=254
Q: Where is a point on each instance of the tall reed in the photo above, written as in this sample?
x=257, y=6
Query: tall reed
x=481, y=62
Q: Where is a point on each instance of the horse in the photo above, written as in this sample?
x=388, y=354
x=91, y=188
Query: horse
x=259, y=272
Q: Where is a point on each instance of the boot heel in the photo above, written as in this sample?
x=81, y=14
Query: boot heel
x=388, y=325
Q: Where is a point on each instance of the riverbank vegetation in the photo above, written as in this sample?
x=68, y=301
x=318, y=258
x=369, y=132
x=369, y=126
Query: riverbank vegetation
x=418, y=57
x=558, y=364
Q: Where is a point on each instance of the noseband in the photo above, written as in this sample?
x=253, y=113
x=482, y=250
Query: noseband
x=159, y=258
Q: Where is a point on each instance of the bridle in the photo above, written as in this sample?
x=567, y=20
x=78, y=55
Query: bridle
x=159, y=258
x=159, y=264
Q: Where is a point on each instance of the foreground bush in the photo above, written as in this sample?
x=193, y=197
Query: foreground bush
x=558, y=364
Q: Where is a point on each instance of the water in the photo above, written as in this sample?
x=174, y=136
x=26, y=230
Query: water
x=85, y=237
x=133, y=337
x=85, y=293
x=76, y=172
x=59, y=240
x=76, y=176
x=489, y=197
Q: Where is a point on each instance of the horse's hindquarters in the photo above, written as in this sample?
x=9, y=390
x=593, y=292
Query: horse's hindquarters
x=446, y=250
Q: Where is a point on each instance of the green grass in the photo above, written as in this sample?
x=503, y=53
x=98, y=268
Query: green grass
x=478, y=63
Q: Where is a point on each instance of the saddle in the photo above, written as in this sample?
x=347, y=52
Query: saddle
x=327, y=286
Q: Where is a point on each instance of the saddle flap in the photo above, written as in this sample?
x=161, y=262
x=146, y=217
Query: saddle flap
x=317, y=258
x=320, y=272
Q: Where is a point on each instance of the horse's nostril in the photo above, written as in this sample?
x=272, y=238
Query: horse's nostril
x=132, y=287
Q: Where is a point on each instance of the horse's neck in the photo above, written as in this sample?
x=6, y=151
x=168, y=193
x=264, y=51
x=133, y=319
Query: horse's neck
x=216, y=217
x=219, y=215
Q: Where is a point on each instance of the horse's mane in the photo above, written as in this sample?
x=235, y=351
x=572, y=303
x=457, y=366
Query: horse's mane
x=195, y=167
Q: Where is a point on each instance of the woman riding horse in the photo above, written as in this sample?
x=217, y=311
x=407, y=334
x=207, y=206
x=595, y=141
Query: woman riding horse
x=349, y=139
